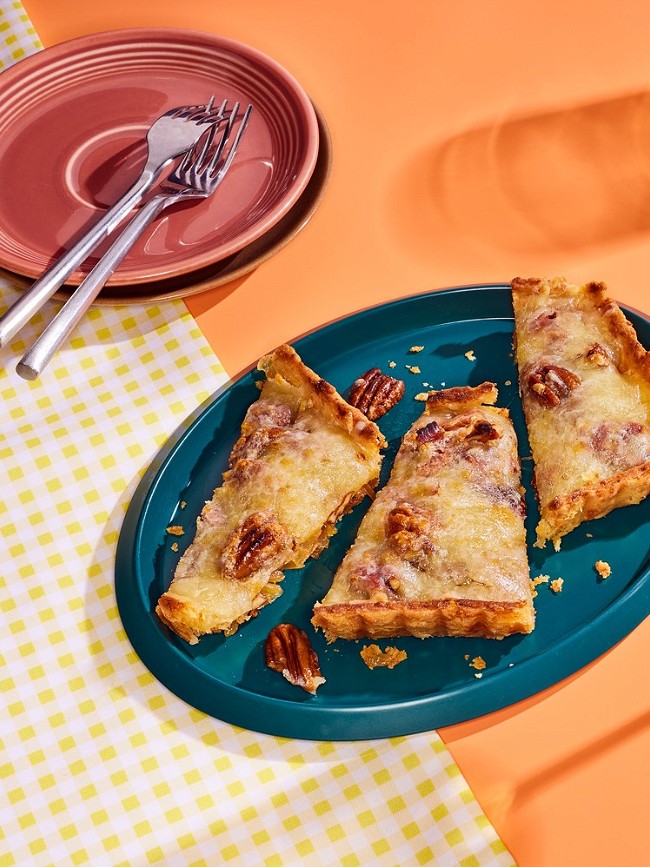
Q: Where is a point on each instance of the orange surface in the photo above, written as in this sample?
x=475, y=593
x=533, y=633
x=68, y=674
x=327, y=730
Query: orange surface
x=473, y=142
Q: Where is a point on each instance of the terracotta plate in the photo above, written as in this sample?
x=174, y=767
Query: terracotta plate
x=73, y=128
x=232, y=267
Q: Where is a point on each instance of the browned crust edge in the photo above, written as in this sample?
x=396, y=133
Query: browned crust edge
x=462, y=398
x=177, y=615
x=633, y=355
x=564, y=514
x=286, y=363
x=436, y=617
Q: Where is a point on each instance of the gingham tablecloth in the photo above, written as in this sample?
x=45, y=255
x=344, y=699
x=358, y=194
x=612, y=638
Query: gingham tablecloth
x=101, y=764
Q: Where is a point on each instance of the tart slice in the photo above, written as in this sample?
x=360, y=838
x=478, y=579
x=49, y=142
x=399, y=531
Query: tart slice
x=304, y=458
x=442, y=549
x=584, y=380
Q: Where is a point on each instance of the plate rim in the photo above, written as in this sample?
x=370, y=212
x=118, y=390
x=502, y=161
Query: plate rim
x=133, y=35
x=147, y=293
x=307, y=721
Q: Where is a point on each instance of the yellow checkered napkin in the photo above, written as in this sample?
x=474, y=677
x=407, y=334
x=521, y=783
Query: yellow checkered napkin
x=100, y=764
x=17, y=35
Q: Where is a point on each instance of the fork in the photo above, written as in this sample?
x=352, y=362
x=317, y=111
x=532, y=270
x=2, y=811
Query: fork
x=196, y=177
x=169, y=136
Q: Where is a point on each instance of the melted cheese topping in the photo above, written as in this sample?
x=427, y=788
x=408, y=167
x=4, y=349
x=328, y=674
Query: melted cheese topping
x=293, y=465
x=603, y=426
x=465, y=497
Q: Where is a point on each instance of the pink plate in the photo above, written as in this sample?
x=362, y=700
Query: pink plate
x=73, y=129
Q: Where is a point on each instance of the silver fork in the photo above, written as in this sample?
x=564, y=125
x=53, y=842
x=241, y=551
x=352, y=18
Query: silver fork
x=170, y=136
x=196, y=177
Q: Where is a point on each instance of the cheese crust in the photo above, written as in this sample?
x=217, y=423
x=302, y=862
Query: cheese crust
x=584, y=381
x=304, y=458
x=442, y=549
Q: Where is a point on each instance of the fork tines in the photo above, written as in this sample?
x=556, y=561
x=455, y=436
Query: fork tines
x=207, y=156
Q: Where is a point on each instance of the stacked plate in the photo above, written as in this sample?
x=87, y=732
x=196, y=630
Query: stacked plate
x=73, y=128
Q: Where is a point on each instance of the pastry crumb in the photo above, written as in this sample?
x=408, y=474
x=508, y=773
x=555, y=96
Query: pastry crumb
x=469, y=355
x=478, y=663
x=507, y=382
x=175, y=530
x=183, y=504
x=416, y=349
x=478, y=675
x=556, y=585
x=174, y=546
x=541, y=579
x=375, y=657
x=589, y=535
x=422, y=395
x=413, y=368
x=392, y=364
x=603, y=568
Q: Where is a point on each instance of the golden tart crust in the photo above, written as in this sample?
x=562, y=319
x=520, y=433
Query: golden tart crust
x=304, y=458
x=442, y=549
x=584, y=381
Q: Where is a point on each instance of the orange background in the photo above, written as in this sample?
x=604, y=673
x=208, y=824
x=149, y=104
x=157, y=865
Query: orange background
x=474, y=141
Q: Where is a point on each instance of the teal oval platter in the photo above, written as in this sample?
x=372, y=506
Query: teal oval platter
x=435, y=686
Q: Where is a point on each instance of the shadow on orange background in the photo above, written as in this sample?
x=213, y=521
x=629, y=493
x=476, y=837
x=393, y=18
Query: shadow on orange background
x=562, y=182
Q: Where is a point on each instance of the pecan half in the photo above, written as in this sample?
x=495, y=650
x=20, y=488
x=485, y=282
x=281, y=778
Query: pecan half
x=375, y=393
x=252, y=545
x=408, y=517
x=482, y=431
x=550, y=384
x=598, y=355
x=288, y=651
x=429, y=433
x=408, y=529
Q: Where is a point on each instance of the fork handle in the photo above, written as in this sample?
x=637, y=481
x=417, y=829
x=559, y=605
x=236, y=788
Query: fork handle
x=66, y=320
x=42, y=289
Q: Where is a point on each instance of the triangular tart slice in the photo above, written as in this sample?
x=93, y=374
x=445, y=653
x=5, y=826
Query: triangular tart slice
x=304, y=458
x=442, y=549
x=584, y=380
